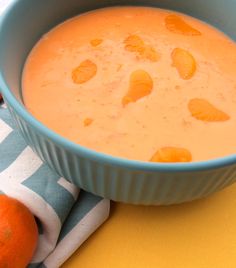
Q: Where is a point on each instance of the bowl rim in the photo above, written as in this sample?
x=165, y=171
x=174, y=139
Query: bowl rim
x=99, y=156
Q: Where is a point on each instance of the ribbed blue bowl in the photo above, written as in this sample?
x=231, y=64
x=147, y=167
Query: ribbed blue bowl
x=114, y=178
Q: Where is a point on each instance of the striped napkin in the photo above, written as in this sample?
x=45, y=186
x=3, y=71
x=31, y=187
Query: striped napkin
x=65, y=215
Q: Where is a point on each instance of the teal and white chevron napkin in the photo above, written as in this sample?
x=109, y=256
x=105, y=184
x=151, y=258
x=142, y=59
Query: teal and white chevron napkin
x=66, y=216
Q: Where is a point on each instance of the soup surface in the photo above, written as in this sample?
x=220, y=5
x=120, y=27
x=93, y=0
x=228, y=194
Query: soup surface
x=136, y=82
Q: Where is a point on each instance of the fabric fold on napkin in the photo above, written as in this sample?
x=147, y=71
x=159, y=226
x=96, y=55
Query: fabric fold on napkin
x=65, y=215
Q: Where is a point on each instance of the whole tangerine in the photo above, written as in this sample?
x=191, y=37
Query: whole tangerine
x=18, y=233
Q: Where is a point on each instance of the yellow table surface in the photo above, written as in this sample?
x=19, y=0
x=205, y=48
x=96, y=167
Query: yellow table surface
x=200, y=234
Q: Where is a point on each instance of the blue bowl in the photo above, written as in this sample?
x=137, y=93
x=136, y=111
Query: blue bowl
x=118, y=179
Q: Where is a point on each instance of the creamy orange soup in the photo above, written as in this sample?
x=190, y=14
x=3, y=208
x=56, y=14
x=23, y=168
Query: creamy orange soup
x=138, y=83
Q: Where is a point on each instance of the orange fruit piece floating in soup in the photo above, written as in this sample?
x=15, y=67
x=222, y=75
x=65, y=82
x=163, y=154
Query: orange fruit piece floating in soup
x=171, y=155
x=141, y=85
x=176, y=24
x=96, y=42
x=184, y=62
x=88, y=122
x=84, y=72
x=203, y=110
x=134, y=43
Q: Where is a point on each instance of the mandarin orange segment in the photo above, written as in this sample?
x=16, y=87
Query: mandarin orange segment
x=184, y=62
x=84, y=72
x=203, y=110
x=88, y=122
x=134, y=43
x=96, y=42
x=171, y=155
x=176, y=24
x=141, y=85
